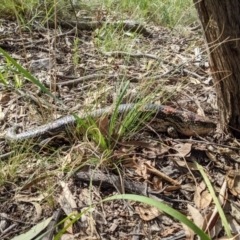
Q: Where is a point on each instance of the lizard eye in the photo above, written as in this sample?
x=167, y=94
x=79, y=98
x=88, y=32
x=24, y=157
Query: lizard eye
x=172, y=132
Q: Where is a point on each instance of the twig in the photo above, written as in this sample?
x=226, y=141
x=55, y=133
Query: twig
x=161, y=175
x=126, y=25
x=85, y=78
x=142, y=55
x=107, y=77
x=107, y=180
x=206, y=142
x=4, y=232
x=40, y=102
x=6, y=155
x=52, y=225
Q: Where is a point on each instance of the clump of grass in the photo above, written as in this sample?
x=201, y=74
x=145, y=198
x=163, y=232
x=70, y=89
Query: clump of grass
x=163, y=12
x=112, y=38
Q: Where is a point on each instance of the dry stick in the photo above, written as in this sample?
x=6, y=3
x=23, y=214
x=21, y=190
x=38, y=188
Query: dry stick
x=161, y=175
x=213, y=158
x=7, y=230
x=32, y=45
x=41, y=49
x=130, y=78
x=57, y=36
x=196, y=102
x=126, y=25
x=135, y=55
x=98, y=177
x=52, y=225
x=196, y=28
x=105, y=76
x=179, y=235
x=93, y=76
x=41, y=103
x=6, y=155
x=142, y=55
x=193, y=73
x=107, y=180
x=206, y=142
x=3, y=216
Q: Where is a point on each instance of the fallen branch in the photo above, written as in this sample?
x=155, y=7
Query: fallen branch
x=109, y=180
x=151, y=56
x=127, y=25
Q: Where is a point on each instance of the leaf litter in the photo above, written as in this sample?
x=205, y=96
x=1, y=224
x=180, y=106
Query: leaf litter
x=60, y=179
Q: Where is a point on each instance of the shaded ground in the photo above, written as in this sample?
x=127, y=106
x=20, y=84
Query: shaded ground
x=165, y=66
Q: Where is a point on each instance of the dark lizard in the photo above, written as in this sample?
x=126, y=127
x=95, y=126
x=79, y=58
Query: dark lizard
x=164, y=119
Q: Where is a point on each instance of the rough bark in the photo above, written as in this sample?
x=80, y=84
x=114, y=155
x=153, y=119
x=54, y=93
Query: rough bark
x=221, y=26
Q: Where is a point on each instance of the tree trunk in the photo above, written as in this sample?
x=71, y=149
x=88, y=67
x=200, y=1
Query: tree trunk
x=221, y=24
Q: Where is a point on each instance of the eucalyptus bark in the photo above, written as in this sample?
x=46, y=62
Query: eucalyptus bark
x=221, y=25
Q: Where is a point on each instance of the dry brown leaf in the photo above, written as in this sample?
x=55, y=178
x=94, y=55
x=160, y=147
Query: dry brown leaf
x=194, y=80
x=67, y=236
x=38, y=211
x=188, y=165
x=157, y=183
x=206, y=199
x=183, y=149
x=5, y=97
x=114, y=225
x=233, y=182
x=67, y=203
x=66, y=207
x=235, y=212
x=197, y=195
x=175, y=48
x=34, y=181
x=189, y=234
x=147, y=212
x=190, y=187
x=24, y=198
x=214, y=216
x=84, y=197
x=2, y=114
x=103, y=125
x=68, y=195
x=196, y=216
x=95, y=95
x=169, y=231
x=142, y=169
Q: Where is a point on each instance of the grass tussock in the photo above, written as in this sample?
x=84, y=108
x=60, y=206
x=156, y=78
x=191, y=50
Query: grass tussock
x=166, y=13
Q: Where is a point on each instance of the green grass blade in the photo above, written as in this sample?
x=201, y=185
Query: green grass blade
x=162, y=207
x=72, y=218
x=215, y=200
x=90, y=125
x=115, y=113
x=27, y=75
